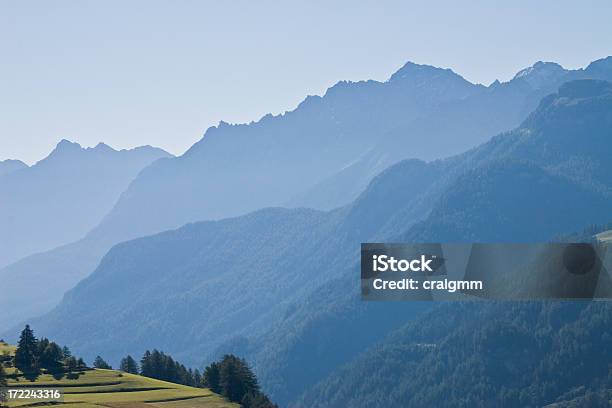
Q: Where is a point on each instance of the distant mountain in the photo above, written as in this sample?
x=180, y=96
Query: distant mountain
x=9, y=166
x=281, y=286
x=60, y=198
x=235, y=169
x=542, y=74
x=550, y=176
x=451, y=128
x=224, y=277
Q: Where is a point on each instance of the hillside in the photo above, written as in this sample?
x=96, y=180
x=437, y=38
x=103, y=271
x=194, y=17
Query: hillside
x=110, y=388
x=262, y=261
x=477, y=354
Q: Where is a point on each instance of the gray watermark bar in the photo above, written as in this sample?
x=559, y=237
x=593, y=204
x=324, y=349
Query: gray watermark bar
x=436, y=271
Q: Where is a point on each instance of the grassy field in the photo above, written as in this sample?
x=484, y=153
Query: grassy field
x=114, y=389
x=4, y=348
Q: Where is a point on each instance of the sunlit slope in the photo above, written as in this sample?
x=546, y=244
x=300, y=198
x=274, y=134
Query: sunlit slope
x=110, y=388
x=7, y=348
x=605, y=236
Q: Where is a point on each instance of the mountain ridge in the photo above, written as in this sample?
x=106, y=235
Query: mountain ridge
x=57, y=201
x=11, y=165
x=310, y=274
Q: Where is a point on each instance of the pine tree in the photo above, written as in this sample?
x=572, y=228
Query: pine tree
x=197, y=378
x=256, y=400
x=71, y=364
x=236, y=378
x=2, y=384
x=100, y=363
x=26, y=356
x=233, y=378
x=211, y=378
x=81, y=364
x=51, y=356
x=66, y=352
x=129, y=365
x=2, y=377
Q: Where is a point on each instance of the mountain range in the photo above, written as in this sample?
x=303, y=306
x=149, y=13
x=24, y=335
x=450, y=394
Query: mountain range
x=322, y=155
x=281, y=286
x=495, y=180
x=54, y=202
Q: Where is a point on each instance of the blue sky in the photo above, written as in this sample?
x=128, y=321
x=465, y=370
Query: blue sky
x=160, y=72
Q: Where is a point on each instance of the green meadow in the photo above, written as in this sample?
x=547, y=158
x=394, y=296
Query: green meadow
x=95, y=388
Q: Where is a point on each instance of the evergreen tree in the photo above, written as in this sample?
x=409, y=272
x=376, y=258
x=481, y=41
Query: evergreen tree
x=190, y=378
x=129, y=365
x=236, y=379
x=233, y=378
x=81, y=364
x=43, y=342
x=197, y=378
x=51, y=356
x=71, y=364
x=66, y=352
x=26, y=356
x=100, y=363
x=145, y=364
x=257, y=400
x=211, y=378
x=2, y=377
x=2, y=384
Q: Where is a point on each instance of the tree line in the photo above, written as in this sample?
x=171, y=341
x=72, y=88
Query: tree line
x=230, y=377
x=34, y=355
x=2, y=384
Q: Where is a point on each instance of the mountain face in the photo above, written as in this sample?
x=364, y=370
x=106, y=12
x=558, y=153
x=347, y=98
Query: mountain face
x=483, y=354
x=266, y=163
x=281, y=286
x=228, y=277
x=63, y=196
x=521, y=186
x=452, y=128
x=541, y=74
x=9, y=166
x=235, y=169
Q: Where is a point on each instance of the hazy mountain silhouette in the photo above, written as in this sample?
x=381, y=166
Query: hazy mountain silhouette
x=235, y=169
x=281, y=286
x=451, y=128
x=9, y=166
x=60, y=198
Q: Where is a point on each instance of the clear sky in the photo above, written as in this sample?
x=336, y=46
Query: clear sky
x=160, y=72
